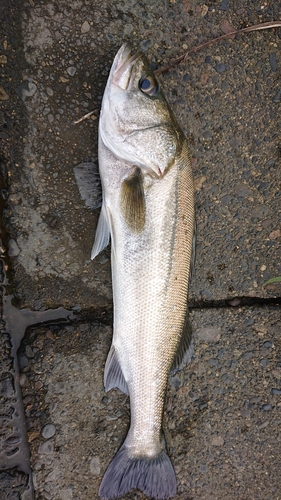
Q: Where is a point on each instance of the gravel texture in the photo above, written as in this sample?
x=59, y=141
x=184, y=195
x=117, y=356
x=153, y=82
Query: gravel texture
x=222, y=416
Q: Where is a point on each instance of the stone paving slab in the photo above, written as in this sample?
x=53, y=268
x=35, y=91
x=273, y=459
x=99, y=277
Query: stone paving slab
x=222, y=417
x=227, y=98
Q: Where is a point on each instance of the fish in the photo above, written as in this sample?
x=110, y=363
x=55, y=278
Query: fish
x=148, y=213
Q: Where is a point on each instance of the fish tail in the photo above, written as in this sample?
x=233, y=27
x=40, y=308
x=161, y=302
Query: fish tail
x=154, y=476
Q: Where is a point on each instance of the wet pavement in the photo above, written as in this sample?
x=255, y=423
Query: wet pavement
x=222, y=417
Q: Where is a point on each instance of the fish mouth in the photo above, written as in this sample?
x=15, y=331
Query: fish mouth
x=123, y=65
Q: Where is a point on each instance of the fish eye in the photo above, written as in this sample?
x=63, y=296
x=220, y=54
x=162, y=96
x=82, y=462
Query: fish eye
x=148, y=85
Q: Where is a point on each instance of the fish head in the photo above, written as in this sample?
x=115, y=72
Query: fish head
x=136, y=123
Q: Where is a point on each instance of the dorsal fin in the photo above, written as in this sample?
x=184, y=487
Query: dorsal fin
x=132, y=201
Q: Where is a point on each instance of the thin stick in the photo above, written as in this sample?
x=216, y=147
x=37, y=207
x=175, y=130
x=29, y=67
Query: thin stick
x=85, y=116
x=256, y=27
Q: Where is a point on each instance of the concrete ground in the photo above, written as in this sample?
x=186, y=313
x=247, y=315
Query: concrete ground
x=222, y=416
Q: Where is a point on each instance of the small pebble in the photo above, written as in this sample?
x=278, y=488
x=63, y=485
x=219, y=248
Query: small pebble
x=207, y=134
x=220, y=68
x=245, y=413
x=3, y=94
x=145, y=44
x=208, y=334
x=23, y=360
x=26, y=89
x=266, y=407
x=23, y=380
x=49, y=335
x=46, y=448
x=29, y=352
x=263, y=425
x=198, y=182
x=203, y=468
x=223, y=5
x=275, y=234
x=2, y=119
x=85, y=27
x=104, y=259
x=249, y=321
x=48, y=431
x=95, y=466
x=234, y=302
x=203, y=406
x=176, y=382
x=256, y=399
x=273, y=62
x=276, y=392
x=277, y=96
x=128, y=29
x=243, y=190
x=13, y=249
x=247, y=355
x=217, y=441
x=267, y=344
x=213, y=362
x=50, y=91
x=71, y=70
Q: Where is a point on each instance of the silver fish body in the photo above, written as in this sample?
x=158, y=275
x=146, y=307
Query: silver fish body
x=148, y=211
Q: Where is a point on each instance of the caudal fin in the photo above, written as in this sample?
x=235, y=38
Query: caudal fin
x=155, y=476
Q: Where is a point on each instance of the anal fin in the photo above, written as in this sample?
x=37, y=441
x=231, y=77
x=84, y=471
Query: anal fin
x=186, y=348
x=113, y=375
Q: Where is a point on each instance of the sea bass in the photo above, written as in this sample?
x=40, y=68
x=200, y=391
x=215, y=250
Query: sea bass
x=148, y=211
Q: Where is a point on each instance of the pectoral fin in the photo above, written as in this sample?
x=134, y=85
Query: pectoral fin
x=186, y=348
x=132, y=201
x=89, y=184
x=102, y=233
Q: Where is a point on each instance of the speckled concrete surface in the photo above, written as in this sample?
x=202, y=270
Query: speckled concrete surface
x=227, y=98
x=222, y=418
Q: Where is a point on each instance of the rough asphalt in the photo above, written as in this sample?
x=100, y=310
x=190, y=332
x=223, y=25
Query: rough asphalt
x=222, y=418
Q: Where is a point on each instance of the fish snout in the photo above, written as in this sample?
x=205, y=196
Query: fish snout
x=123, y=66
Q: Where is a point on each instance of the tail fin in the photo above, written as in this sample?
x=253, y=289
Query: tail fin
x=155, y=476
